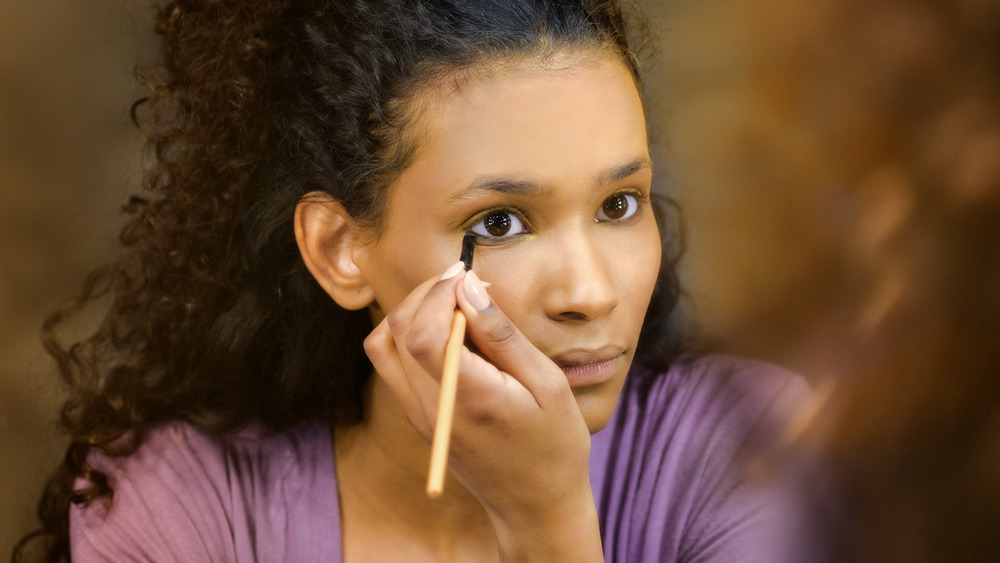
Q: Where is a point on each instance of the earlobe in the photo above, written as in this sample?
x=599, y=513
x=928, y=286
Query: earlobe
x=328, y=240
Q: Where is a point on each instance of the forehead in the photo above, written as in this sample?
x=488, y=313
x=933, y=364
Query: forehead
x=564, y=117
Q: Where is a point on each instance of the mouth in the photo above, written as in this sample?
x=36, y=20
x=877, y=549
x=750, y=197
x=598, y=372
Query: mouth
x=590, y=366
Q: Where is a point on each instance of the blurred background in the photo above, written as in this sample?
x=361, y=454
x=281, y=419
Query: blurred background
x=823, y=152
x=68, y=156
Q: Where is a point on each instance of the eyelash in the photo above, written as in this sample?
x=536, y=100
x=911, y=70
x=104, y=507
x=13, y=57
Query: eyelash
x=482, y=215
x=639, y=196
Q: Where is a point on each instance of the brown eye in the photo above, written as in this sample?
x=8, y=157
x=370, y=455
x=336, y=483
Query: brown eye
x=617, y=207
x=499, y=223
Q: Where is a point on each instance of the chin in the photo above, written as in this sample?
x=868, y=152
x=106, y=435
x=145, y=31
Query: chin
x=597, y=404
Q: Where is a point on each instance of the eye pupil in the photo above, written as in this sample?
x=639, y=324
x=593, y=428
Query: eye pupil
x=497, y=224
x=616, y=206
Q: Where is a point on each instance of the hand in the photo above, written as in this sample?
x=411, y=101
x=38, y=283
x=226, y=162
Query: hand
x=519, y=442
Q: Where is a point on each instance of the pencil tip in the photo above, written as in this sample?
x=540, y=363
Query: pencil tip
x=468, y=245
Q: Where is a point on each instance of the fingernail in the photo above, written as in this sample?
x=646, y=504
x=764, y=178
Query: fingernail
x=475, y=291
x=453, y=270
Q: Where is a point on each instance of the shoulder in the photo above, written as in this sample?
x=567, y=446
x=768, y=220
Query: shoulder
x=672, y=463
x=186, y=495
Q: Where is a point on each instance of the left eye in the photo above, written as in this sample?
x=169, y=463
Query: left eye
x=617, y=207
x=498, y=224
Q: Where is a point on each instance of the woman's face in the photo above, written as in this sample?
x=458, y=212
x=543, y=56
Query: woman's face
x=550, y=167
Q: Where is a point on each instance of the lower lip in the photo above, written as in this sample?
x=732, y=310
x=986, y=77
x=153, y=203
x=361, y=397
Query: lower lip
x=591, y=374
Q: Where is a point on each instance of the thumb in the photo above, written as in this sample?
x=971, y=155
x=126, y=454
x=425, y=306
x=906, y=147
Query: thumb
x=496, y=337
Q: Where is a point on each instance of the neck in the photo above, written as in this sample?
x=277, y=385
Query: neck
x=382, y=468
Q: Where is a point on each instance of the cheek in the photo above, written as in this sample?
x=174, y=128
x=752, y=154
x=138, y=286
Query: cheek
x=401, y=263
x=639, y=269
x=516, y=285
x=511, y=275
x=650, y=269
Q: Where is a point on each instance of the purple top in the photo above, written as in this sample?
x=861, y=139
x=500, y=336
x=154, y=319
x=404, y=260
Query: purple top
x=666, y=477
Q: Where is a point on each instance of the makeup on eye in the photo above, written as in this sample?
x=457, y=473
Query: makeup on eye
x=501, y=222
x=620, y=206
x=498, y=223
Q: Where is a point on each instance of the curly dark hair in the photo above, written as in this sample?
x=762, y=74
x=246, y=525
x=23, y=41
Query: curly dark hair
x=213, y=318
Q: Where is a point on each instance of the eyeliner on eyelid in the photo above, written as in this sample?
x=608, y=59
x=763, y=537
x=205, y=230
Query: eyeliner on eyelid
x=639, y=195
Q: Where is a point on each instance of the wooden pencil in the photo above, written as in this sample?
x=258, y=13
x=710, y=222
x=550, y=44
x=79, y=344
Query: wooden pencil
x=446, y=407
x=449, y=385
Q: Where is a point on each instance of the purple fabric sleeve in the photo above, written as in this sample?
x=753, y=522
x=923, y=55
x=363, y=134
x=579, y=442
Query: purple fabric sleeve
x=666, y=473
x=184, y=496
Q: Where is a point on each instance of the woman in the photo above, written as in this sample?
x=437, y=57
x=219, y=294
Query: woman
x=266, y=379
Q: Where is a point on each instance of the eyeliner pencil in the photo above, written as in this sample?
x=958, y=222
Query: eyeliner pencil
x=449, y=384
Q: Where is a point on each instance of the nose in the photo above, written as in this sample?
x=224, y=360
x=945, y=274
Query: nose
x=582, y=287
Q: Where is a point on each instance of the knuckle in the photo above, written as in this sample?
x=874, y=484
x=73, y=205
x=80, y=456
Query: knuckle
x=395, y=323
x=482, y=413
x=502, y=333
x=485, y=409
x=373, y=347
x=420, y=343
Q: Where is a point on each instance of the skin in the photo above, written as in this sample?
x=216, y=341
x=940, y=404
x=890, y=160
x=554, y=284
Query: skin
x=570, y=286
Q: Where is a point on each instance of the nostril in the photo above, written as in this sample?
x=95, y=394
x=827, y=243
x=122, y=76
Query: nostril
x=572, y=316
x=582, y=286
x=581, y=302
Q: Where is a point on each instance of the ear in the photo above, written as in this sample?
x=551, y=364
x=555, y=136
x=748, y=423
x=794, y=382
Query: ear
x=328, y=240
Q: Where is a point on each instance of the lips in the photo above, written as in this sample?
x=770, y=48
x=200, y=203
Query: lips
x=590, y=366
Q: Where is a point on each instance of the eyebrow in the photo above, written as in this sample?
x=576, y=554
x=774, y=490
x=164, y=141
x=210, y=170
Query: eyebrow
x=619, y=173
x=514, y=186
x=503, y=185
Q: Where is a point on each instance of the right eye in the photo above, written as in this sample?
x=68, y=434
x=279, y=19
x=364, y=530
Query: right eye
x=499, y=223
